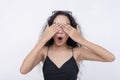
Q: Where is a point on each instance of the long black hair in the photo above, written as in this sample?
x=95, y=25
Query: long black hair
x=73, y=23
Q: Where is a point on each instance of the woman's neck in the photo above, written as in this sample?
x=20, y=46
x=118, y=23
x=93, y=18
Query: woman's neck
x=63, y=47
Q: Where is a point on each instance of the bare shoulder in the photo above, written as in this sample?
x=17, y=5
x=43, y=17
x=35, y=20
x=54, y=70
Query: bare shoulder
x=79, y=50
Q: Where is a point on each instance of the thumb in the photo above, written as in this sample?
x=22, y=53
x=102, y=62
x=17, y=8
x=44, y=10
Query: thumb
x=47, y=25
x=78, y=28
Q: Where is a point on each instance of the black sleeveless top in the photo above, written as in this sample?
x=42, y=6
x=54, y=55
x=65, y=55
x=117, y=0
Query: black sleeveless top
x=68, y=71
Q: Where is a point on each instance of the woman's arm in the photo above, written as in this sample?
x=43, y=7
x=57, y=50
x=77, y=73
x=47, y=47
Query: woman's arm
x=33, y=58
x=36, y=55
x=90, y=51
x=95, y=52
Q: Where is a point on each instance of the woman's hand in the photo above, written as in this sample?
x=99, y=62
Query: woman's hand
x=49, y=32
x=74, y=34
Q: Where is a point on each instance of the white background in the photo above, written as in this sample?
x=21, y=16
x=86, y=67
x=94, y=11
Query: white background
x=21, y=22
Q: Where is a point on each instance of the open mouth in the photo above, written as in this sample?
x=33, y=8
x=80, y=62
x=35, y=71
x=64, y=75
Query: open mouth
x=60, y=38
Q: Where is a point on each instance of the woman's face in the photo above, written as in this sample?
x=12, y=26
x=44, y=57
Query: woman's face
x=61, y=36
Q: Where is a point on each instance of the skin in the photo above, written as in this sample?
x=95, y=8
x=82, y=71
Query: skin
x=61, y=27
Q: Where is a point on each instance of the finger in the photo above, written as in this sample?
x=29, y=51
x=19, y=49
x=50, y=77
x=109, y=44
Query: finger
x=55, y=25
x=51, y=29
x=64, y=26
x=66, y=29
x=70, y=28
x=54, y=28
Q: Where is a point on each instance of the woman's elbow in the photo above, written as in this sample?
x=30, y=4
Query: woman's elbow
x=111, y=59
x=23, y=71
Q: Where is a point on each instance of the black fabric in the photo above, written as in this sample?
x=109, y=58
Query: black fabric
x=68, y=71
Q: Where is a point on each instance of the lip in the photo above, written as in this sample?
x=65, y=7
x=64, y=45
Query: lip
x=59, y=37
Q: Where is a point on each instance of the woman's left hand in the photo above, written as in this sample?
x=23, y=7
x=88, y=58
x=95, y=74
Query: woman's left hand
x=73, y=33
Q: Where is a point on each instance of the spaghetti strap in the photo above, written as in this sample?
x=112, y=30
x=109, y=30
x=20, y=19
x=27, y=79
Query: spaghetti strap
x=72, y=52
x=67, y=71
x=47, y=51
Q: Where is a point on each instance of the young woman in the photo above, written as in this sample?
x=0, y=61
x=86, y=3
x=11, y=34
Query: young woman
x=61, y=47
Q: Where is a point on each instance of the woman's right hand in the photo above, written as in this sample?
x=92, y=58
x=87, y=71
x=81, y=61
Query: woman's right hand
x=49, y=32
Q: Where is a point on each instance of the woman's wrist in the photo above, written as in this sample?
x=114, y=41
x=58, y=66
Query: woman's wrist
x=42, y=42
x=82, y=42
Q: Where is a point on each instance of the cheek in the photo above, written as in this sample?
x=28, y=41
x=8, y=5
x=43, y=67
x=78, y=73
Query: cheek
x=66, y=36
x=54, y=37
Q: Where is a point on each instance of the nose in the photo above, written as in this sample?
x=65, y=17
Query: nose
x=60, y=30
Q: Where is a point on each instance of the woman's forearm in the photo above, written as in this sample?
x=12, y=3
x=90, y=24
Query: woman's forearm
x=98, y=50
x=31, y=58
